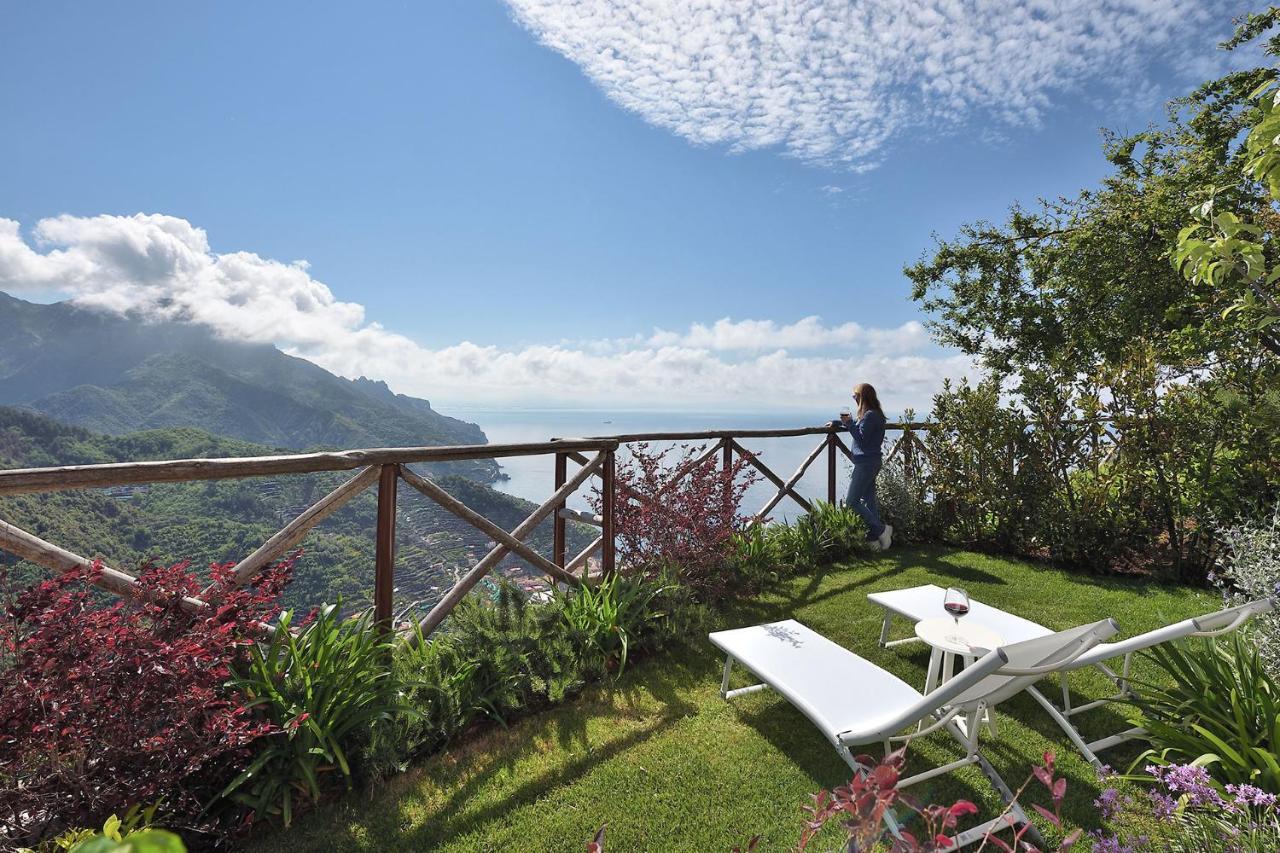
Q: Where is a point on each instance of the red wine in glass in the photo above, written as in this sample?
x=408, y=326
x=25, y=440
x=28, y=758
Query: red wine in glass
x=956, y=603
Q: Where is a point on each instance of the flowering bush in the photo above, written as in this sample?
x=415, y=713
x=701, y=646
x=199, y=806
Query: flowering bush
x=1186, y=810
x=1250, y=569
x=109, y=706
x=674, y=512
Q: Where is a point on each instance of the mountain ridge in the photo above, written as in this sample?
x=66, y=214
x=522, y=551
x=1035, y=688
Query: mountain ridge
x=119, y=374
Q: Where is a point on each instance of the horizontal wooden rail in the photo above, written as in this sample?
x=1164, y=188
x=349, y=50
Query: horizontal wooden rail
x=711, y=434
x=26, y=480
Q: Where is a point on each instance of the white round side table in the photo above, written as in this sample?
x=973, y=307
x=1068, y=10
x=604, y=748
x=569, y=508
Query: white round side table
x=948, y=638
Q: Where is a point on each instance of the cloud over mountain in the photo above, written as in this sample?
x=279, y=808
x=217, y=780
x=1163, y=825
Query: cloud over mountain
x=832, y=81
x=162, y=267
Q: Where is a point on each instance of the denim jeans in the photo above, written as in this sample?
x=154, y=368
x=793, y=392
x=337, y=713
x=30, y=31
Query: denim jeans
x=862, y=495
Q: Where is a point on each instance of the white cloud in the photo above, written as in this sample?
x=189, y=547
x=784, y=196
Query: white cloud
x=162, y=267
x=728, y=335
x=832, y=81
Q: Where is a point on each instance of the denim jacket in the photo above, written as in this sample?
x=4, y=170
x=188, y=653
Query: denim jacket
x=867, y=434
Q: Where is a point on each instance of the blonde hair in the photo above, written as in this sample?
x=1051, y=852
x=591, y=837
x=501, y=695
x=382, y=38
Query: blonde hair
x=867, y=399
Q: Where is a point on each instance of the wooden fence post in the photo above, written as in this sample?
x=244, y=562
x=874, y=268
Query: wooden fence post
x=558, y=521
x=385, y=547
x=607, y=533
x=726, y=473
x=908, y=455
x=831, y=468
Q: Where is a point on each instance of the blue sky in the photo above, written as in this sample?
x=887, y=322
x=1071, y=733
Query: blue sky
x=463, y=172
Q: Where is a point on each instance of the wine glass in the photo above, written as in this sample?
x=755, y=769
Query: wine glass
x=956, y=603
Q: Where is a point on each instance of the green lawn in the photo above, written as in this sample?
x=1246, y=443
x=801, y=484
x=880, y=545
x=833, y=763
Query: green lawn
x=672, y=767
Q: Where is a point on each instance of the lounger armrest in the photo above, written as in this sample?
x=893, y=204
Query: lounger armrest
x=1243, y=615
x=929, y=702
x=1057, y=666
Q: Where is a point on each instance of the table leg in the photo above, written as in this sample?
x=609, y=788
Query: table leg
x=988, y=717
x=948, y=667
x=931, y=675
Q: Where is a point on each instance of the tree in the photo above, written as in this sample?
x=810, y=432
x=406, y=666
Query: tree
x=1149, y=300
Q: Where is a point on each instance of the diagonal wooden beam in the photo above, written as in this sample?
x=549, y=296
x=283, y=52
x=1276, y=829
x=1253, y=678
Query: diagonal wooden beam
x=787, y=487
x=484, y=525
x=56, y=559
x=584, y=555
x=776, y=480
x=486, y=564
x=293, y=532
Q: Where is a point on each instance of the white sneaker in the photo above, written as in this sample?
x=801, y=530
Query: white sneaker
x=886, y=538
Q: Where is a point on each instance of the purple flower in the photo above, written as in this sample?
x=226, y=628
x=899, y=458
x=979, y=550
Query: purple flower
x=1190, y=780
x=1164, y=805
x=1249, y=795
x=1108, y=803
x=1114, y=844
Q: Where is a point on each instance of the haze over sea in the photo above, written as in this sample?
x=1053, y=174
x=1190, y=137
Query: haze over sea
x=532, y=477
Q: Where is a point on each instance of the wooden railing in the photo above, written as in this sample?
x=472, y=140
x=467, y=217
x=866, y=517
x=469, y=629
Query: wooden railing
x=387, y=467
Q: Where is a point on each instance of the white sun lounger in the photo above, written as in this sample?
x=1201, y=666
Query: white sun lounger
x=853, y=702
x=923, y=602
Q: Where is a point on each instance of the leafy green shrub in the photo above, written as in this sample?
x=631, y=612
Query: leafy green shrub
x=499, y=653
x=143, y=841
x=828, y=534
x=902, y=502
x=115, y=829
x=324, y=687
x=1250, y=569
x=1218, y=708
x=754, y=558
x=611, y=614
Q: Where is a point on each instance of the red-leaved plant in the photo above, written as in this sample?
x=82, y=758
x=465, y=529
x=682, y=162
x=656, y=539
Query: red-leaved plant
x=108, y=705
x=673, y=512
x=862, y=804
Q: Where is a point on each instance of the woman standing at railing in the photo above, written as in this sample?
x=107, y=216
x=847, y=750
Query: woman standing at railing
x=867, y=434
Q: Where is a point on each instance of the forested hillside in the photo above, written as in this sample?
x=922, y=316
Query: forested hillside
x=225, y=520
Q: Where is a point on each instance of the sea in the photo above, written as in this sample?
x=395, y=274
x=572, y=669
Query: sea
x=532, y=477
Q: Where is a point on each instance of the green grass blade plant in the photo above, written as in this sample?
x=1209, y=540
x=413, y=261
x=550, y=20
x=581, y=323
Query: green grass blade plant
x=325, y=686
x=1218, y=708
